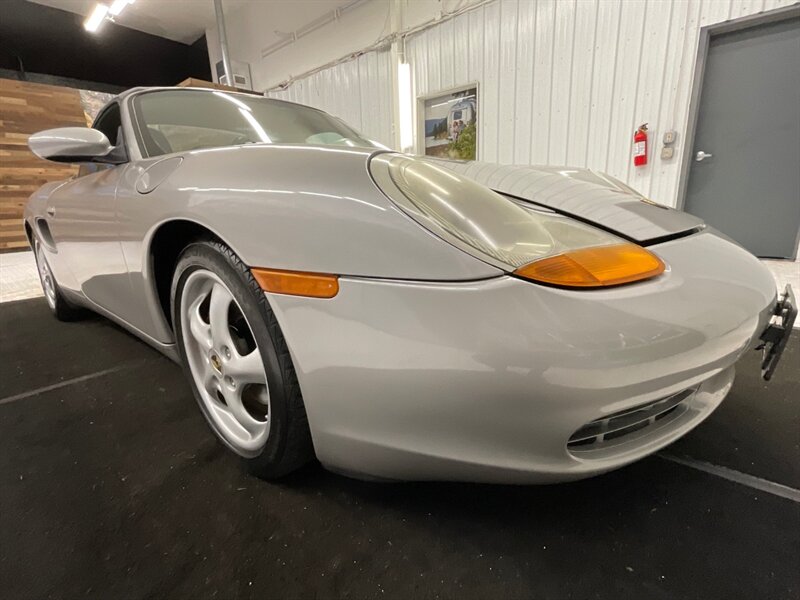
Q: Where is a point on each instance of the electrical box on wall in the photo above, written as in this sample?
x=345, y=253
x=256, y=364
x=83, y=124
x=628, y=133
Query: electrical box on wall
x=241, y=75
x=668, y=151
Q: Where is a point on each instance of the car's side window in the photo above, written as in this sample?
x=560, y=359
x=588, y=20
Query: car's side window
x=109, y=122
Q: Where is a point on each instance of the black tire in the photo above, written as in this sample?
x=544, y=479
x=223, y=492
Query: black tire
x=61, y=309
x=289, y=445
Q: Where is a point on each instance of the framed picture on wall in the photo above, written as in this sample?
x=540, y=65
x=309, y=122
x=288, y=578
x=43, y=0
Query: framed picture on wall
x=449, y=123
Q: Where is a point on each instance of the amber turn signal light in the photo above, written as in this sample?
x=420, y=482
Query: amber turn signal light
x=601, y=266
x=297, y=283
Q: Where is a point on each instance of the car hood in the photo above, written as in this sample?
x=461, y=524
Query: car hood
x=584, y=194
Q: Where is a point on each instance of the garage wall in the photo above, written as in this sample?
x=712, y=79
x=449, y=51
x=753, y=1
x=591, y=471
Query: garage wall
x=253, y=27
x=358, y=91
x=561, y=82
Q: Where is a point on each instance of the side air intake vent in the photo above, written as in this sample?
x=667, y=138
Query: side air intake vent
x=44, y=234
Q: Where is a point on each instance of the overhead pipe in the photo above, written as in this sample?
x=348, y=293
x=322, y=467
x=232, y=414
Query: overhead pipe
x=386, y=40
x=328, y=17
x=223, y=43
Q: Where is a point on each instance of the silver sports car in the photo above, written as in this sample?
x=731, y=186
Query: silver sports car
x=393, y=316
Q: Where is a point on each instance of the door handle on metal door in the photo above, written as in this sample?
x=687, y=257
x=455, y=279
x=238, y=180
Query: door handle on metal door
x=701, y=156
x=51, y=211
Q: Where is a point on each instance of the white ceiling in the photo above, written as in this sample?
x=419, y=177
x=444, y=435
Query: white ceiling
x=178, y=20
x=186, y=20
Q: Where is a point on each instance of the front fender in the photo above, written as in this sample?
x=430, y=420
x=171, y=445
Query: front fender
x=307, y=209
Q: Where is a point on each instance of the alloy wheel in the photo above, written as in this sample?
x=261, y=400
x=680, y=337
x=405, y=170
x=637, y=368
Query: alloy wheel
x=46, y=277
x=225, y=362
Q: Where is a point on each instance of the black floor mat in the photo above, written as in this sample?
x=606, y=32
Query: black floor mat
x=112, y=487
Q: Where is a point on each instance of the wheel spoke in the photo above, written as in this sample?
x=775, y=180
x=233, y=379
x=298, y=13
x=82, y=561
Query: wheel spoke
x=233, y=398
x=210, y=382
x=201, y=331
x=226, y=417
x=232, y=412
x=218, y=315
x=246, y=369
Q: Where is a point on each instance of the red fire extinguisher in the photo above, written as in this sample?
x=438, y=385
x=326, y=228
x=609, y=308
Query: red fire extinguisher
x=640, y=146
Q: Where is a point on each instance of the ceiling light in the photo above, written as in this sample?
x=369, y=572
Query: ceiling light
x=118, y=6
x=96, y=18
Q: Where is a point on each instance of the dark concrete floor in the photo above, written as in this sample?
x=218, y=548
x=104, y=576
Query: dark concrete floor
x=113, y=487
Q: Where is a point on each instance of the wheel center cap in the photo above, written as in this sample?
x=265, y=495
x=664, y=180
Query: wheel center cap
x=216, y=363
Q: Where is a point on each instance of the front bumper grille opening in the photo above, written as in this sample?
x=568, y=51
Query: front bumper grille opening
x=612, y=435
x=666, y=413
x=600, y=433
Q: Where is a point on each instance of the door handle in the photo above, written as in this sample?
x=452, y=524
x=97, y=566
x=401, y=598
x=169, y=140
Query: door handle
x=51, y=211
x=701, y=156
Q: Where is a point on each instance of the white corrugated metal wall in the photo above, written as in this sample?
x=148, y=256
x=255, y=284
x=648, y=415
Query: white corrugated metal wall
x=560, y=81
x=358, y=91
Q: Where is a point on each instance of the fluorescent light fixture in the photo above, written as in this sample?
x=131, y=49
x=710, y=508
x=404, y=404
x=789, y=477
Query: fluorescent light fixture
x=118, y=6
x=96, y=18
x=406, y=125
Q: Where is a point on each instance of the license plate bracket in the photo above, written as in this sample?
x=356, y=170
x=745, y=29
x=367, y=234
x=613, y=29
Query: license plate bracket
x=777, y=333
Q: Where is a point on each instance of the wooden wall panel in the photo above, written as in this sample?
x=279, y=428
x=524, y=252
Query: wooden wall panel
x=26, y=108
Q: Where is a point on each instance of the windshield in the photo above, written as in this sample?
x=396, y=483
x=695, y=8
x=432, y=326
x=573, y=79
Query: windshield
x=184, y=120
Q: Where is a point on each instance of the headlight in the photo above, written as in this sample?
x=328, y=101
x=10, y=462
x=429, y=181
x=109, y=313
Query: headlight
x=537, y=245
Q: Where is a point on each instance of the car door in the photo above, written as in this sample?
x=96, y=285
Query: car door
x=81, y=216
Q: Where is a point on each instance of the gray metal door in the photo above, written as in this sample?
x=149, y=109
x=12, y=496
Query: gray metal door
x=744, y=177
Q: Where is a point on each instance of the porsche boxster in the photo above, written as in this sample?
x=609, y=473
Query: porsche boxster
x=395, y=317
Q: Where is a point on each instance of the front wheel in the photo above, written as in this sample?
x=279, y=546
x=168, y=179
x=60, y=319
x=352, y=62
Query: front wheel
x=62, y=310
x=237, y=361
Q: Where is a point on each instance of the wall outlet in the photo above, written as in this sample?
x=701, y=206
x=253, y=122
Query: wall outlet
x=669, y=137
x=667, y=152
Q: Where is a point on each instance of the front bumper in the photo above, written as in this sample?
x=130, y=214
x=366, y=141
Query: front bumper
x=488, y=380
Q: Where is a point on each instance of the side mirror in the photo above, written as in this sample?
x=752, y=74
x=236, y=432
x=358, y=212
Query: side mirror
x=70, y=145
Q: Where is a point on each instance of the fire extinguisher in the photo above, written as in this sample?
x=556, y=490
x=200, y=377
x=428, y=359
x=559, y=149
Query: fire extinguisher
x=640, y=146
